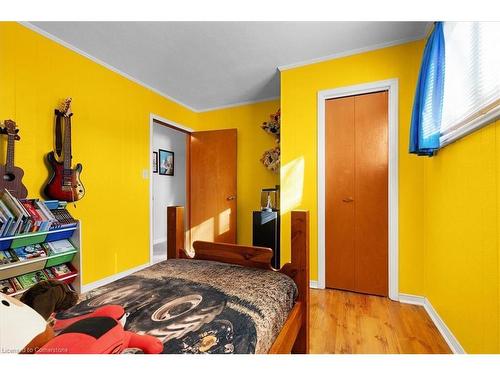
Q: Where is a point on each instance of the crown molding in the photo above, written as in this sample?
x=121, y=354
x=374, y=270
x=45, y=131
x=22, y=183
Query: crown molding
x=104, y=64
x=239, y=104
x=280, y=68
x=351, y=52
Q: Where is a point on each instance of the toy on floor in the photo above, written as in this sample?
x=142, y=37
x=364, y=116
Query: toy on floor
x=111, y=311
x=22, y=329
x=99, y=332
x=99, y=335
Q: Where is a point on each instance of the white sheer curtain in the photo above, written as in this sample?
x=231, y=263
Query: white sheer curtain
x=472, y=77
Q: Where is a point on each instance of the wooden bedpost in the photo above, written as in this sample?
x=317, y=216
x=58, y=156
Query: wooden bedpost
x=175, y=231
x=300, y=258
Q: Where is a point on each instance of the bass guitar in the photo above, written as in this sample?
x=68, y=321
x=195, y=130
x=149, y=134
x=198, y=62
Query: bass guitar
x=12, y=176
x=64, y=183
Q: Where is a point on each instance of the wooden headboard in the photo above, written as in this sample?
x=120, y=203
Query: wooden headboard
x=255, y=257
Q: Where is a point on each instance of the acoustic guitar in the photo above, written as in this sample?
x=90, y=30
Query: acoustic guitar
x=12, y=176
x=64, y=183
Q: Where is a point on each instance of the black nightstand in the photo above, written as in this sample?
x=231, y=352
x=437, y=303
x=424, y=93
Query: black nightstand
x=266, y=233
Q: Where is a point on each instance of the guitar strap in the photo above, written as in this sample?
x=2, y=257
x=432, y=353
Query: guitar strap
x=58, y=149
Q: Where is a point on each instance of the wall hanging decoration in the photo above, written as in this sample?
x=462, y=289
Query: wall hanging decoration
x=166, y=162
x=271, y=158
x=273, y=126
x=64, y=184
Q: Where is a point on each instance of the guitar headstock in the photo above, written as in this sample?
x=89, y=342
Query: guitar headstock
x=11, y=129
x=65, y=109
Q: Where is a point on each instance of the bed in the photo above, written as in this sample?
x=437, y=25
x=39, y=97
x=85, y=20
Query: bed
x=222, y=299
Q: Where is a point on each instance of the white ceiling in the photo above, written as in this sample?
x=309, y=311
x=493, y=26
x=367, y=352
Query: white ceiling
x=214, y=64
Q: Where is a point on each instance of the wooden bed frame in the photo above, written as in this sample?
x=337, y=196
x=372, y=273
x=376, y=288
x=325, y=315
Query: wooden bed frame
x=294, y=336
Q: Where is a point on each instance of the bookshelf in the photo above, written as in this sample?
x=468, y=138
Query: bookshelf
x=15, y=269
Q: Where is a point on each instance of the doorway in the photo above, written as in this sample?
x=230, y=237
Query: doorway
x=203, y=180
x=168, y=179
x=391, y=260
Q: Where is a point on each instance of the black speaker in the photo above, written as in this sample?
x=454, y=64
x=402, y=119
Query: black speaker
x=266, y=233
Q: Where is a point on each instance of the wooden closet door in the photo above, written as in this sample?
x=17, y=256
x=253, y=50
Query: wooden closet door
x=339, y=215
x=371, y=193
x=357, y=193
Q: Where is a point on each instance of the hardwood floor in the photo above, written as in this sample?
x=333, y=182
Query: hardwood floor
x=352, y=323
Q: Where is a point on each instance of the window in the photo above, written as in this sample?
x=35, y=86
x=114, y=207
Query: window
x=471, y=97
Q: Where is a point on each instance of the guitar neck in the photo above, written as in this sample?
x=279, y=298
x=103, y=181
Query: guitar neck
x=9, y=160
x=67, y=143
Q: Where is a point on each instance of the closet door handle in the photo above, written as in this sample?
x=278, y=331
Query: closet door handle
x=348, y=200
x=231, y=198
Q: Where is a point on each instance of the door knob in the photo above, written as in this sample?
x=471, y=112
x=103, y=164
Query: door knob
x=348, y=200
x=231, y=198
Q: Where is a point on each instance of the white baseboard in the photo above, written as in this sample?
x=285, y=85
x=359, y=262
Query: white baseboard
x=447, y=334
x=313, y=284
x=96, y=284
x=412, y=299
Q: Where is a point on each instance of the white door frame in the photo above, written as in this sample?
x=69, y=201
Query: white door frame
x=152, y=118
x=391, y=85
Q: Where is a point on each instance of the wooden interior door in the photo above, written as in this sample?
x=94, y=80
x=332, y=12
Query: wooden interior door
x=357, y=193
x=212, y=186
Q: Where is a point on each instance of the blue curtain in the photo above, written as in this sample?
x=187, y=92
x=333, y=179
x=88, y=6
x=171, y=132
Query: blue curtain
x=428, y=103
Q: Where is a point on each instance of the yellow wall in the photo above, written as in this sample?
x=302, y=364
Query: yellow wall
x=449, y=205
x=461, y=233
x=111, y=140
x=252, y=142
x=299, y=88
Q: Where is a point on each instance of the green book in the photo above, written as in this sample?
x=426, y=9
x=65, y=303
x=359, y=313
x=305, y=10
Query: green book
x=29, y=279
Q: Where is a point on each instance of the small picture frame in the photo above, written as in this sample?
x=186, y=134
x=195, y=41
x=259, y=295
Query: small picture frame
x=155, y=162
x=166, y=162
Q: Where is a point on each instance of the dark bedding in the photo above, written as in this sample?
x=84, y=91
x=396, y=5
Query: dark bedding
x=200, y=306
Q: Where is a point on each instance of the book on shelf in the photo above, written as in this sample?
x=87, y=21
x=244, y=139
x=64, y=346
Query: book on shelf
x=7, y=219
x=63, y=218
x=52, y=204
x=6, y=287
x=4, y=259
x=29, y=279
x=17, y=210
x=50, y=275
x=40, y=250
x=21, y=216
x=61, y=270
x=36, y=219
x=29, y=252
x=7, y=256
x=58, y=247
x=41, y=216
x=16, y=284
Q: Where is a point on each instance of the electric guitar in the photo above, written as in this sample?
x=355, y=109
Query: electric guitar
x=64, y=183
x=12, y=176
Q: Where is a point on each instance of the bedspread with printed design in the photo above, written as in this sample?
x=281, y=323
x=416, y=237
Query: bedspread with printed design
x=200, y=306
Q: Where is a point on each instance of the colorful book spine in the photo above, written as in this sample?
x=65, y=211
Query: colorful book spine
x=20, y=216
x=35, y=218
